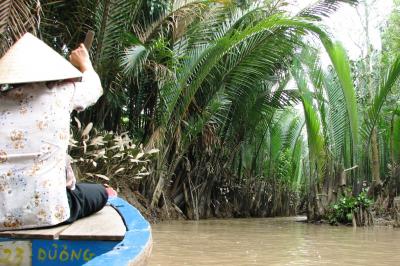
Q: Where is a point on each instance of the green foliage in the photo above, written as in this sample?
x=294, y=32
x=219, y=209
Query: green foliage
x=342, y=211
x=390, y=37
x=207, y=82
x=316, y=139
x=284, y=166
x=395, y=139
x=385, y=87
x=342, y=67
x=16, y=18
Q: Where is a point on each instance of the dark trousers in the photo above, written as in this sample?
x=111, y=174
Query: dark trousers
x=85, y=200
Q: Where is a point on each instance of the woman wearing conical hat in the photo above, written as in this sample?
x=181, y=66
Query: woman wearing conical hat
x=34, y=135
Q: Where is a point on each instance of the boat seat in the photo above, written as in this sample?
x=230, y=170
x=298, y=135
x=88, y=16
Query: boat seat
x=107, y=224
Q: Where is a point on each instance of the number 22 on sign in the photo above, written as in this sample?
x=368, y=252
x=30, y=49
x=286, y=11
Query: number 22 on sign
x=15, y=253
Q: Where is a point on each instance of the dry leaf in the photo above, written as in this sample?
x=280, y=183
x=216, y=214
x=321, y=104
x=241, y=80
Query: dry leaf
x=78, y=122
x=102, y=176
x=87, y=129
x=119, y=170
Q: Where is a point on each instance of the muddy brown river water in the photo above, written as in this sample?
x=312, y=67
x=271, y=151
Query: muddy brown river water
x=271, y=241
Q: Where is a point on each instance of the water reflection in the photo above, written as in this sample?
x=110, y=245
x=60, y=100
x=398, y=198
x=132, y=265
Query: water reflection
x=275, y=241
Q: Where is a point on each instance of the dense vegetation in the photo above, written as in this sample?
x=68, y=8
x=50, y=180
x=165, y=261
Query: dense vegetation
x=211, y=92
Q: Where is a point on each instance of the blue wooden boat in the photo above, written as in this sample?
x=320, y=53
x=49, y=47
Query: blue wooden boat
x=117, y=235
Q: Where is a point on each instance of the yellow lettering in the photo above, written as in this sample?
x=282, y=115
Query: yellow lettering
x=42, y=255
x=87, y=255
x=7, y=259
x=8, y=252
x=16, y=257
x=19, y=255
x=54, y=256
x=12, y=256
x=76, y=256
x=64, y=256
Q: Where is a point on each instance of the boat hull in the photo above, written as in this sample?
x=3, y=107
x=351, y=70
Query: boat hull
x=134, y=249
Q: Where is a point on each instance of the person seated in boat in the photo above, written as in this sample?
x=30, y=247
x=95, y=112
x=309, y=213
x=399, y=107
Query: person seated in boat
x=39, y=90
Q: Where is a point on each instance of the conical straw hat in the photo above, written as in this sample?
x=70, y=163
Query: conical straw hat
x=31, y=60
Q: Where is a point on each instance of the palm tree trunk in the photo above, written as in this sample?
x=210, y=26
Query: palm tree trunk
x=375, y=166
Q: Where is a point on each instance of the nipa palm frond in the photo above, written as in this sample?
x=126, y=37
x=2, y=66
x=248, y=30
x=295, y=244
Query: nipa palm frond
x=386, y=84
x=16, y=18
x=112, y=20
x=341, y=65
x=324, y=8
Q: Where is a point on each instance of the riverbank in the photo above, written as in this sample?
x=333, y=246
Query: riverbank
x=169, y=212
x=153, y=215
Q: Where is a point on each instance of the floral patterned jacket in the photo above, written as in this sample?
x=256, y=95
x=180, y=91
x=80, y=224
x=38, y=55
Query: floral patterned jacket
x=34, y=137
